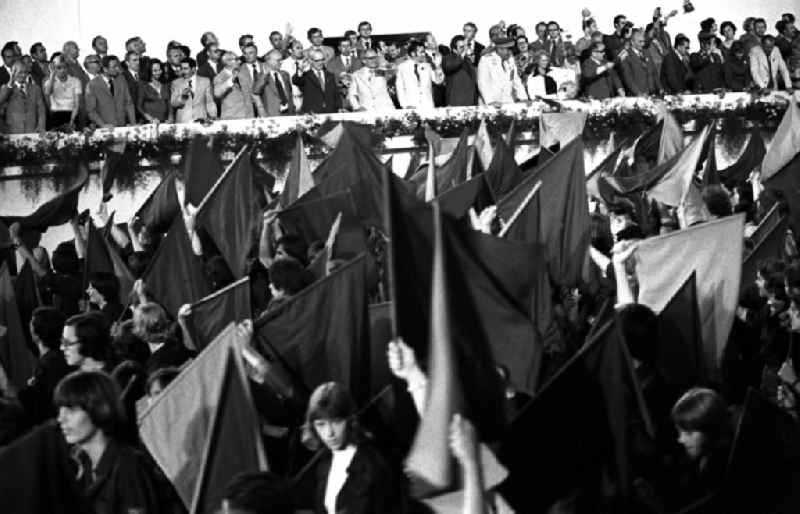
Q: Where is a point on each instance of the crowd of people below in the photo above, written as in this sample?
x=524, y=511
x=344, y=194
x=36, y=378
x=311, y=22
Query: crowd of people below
x=40, y=93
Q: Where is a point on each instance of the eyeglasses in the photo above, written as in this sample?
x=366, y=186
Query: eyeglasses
x=319, y=60
x=66, y=343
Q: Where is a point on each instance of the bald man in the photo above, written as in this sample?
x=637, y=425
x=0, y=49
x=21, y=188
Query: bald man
x=318, y=85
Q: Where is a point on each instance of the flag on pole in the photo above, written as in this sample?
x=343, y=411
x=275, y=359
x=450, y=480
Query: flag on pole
x=202, y=169
x=785, y=144
x=15, y=357
x=671, y=141
x=502, y=172
x=60, y=209
x=483, y=145
x=680, y=338
x=750, y=159
x=299, y=178
x=560, y=127
x=673, y=186
x=162, y=206
x=208, y=317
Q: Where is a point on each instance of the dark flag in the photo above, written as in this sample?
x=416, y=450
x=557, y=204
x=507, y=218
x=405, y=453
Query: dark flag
x=648, y=145
x=475, y=192
x=605, y=168
x=201, y=170
x=234, y=444
x=8, y=253
x=544, y=155
x=175, y=275
x=449, y=174
x=15, y=357
x=321, y=334
x=27, y=294
x=413, y=164
x=768, y=242
x=752, y=156
x=709, y=159
x=680, y=350
x=788, y=181
x=161, y=207
x=229, y=213
x=563, y=221
x=574, y=447
x=263, y=180
x=298, y=178
x=58, y=210
x=208, y=317
x=116, y=163
x=101, y=257
x=503, y=173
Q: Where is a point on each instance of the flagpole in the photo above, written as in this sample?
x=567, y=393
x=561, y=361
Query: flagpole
x=519, y=209
x=387, y=208
x=211, y=191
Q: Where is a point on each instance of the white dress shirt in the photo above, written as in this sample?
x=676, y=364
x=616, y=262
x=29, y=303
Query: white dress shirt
x=337, y=476
x=289, y=65
x=415, y=84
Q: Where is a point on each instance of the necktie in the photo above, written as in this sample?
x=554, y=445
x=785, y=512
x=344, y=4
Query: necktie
x=22, y=88
x=281, y=92
x=321, y=76
x=255, y=72
x=111, y=86
x=770, y=82
x=191, y=91
x=347, y=63
x=135, y=76
x=416, y=71
x=296, y=68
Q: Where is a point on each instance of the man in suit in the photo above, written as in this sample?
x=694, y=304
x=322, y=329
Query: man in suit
x=318, y=85
x=9, y=57
x=461, y=87
x=498, y=79
x=108, y=101
x=250, y=72
x=192, y=96
x=615, y=42
x=22, y=102
x=40, y=69
x=599, y=78
x=415, y=78
x=132, y=73
x=315, y=38
x=206, y=39
x=364, y=38
x=213, y=64
x=235, y=103
x=638, y=71
x=474, y=49
x=172, y=68
x=676, y=72
x=345, y=62
x=368, y=89
x=554, y=46
x=295, y=64
x=706, y=64
x=273, y=90
x=767, y=66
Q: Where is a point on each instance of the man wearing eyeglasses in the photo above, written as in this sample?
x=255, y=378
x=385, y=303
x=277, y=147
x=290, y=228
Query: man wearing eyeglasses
x=318, y=85
x=600, y=80
x=555, y=44
x=368, y=90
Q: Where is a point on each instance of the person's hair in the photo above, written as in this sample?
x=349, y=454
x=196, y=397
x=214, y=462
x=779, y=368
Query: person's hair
x=191, y=62
x=162, y=377
x=125, y=345
x=312, y=31
x=619, y=18
x=150, y=322
x=471, y=25
x=153, y=62
x=91, y=332
x=554, y=23
x=314, y=249
x=348, y=33
x=747, y=24
x=96, y=393
x=259, y=492
x=511, y=31
x=217, y=272
x=107, y=284
x=737, y=47
x=130, y=377
x=129, y=42
x=108, y=59
x=243, y=38
x=702, y=410
x=759, y=20
x=294, y=246
x=455, y=39
x=204, y=39
x=598, y=45
x=364, y=23
x=681, y=39
x=717, y=200
x=788, y=17
x=48, y=324
x=726, y=24
x=288, y=275
x=129, y=53
x=780, y=26
x=414, y=47
x=185, y=50
x=99, y=37
x=35, y=47
x=57, y=55
x=770, y=267
x=768, y=39
x=706, y=24
x=273, y=33
x=588, y=22
x=639, y=325
x=331, y=400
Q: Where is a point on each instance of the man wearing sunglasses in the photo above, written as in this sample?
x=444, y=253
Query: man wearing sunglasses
x=318, y=85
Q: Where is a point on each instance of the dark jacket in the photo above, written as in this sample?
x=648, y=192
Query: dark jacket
x=123, y=483
x=461, y=87
x=170, y=354
x=675, y=74
x=37, y=397
x=639, y=74
x=370, y=488
x=599, y=86
x=315, y=100
x=737, y=74
x=708, y=72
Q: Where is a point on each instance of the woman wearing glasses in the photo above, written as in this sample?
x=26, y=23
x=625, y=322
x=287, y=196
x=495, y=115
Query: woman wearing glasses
x=86, y=342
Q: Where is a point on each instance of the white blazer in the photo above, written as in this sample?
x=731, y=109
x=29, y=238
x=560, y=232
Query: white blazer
x=759, y=67
x=498, y=84
x=414, y=92
x=369, y=91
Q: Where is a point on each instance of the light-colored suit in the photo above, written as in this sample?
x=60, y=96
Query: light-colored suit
x=369, y=91
x=235, y=104
x=247, y=80
x=199, y=106
x=22, y=112
x=102, y=108
x=289, y=65
x=267, y=97
x=413, y=91
x=498, y=84
x=760, y=68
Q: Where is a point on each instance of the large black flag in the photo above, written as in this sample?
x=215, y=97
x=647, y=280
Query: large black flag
x=680, y=350
x=60, y=209
x=201, y=170
x=161, y=207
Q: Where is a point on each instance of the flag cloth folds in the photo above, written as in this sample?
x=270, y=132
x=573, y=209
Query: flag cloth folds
x=475, y=192
x=161, y=207
x=189, y=403
x=502, y=172
x=768, y=243
x=785, y=145
x=27, y=296
x=61, y=208
x=201, y=170
x=102, y=258
x=229, y=213
x=673, y=186
x=449, y=174
x=298, y=179
x=483, y=145
x=664, y=263
x=561, y=127
x=15, y=357
x=175, y=274
x=120, y=160
x=787, y=180
x=605, y=168
x=671, y=141
x=234, y=443
x=322, y=333
x=710, y=171
x=563, y=220
x=209, y=316
x=680, y=350
x=750, y=159
x=430, y=457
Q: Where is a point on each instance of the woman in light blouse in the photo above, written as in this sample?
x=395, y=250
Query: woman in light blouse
x=63, y=95
x=152, y=100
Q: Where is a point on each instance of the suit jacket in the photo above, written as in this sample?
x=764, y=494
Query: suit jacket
x=209, y=70
x=599, y=85
x=708, y=72
x=370, y=488
x=102, y=108
x=247, y=80
x=370, y=91
x=5, y=74
x=267, y=97
x=23, y=113
x=39, y=72
x=315, y=99
x=235, y=103
x=155, y=103
x=737, y=74
x=760, y=68
x=200, y=106
x=614, y=44
x=675, y=74
x=498, y=84
x=461, y=86
x=638, y=74
x=124, y=482
x=37, y=397
x=413, y=91
x=133, y=85
x=337, y=67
